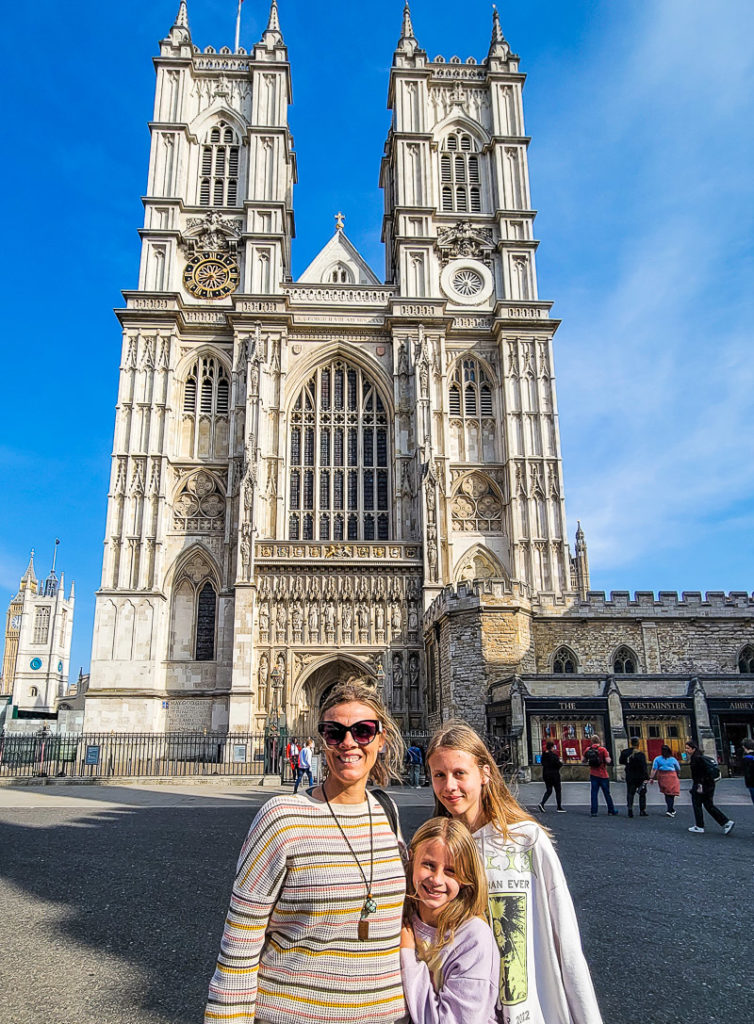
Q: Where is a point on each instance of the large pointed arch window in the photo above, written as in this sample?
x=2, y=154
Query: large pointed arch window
x=218, y=172
x=471, y=410
x=206, y=409
x=339, y=457
x=460, y=174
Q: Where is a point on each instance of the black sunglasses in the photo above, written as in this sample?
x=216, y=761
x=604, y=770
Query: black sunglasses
x=363, y=733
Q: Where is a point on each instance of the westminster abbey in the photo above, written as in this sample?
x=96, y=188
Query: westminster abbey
x=338, y=475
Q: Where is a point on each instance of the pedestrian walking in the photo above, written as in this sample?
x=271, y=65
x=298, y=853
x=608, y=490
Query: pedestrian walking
x=598, y=758
x=704, y=773
x=667, y=772
x=748, y=762
x=637, y=774
x=449, y=958
x=544, y=976
x=314, y=926
x=551, y=765
x=414, y=762
x=304, y=764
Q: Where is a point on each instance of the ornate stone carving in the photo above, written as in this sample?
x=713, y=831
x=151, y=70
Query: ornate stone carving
x=476, y=507
x=465, y=240
x=212, y=231
x=200, y=506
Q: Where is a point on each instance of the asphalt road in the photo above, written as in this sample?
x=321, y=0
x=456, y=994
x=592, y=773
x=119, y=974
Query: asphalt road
x=112, y=902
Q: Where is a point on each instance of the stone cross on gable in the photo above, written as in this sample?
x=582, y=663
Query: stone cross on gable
x=340, y=221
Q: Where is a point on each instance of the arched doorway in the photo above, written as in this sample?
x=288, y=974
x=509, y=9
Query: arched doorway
x=318, y=685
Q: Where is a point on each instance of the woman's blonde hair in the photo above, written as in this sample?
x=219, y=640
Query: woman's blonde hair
x=390, y=762
x=499, y=806
x=471, y=900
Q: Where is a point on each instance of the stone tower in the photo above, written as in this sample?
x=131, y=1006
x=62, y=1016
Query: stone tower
x=301, y=468
x=38, y=634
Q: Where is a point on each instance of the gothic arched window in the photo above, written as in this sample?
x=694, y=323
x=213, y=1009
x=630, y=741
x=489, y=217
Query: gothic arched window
x=339, y=476
x=194, y=615
x=624, y=662
x=206, y=409
x=470, y=405
x=460, y=176
x=218, y=173
x=564, y=661
x=746, y=660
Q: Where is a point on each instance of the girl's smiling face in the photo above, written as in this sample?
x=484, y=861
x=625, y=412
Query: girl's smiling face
x=458, y=782
x=434, y=879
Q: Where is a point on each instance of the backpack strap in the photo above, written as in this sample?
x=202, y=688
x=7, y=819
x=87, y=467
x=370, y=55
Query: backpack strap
x=388, y=807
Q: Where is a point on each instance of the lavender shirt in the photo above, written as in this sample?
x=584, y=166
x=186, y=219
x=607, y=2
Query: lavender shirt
x=468, y=980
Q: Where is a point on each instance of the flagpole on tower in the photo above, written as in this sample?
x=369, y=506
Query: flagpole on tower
x=238, y=27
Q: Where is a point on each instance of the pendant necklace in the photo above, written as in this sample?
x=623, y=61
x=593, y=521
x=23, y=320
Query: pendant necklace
x=369, y=903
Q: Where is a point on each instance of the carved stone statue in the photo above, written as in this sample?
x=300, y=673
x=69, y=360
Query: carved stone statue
x=264, y=617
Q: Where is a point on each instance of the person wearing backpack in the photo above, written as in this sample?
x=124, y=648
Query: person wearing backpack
x=705, y=772
x=598, y=759
x=637, y=773
x=414, y=761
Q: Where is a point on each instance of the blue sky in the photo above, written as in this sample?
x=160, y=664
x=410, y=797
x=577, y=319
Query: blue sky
x=641, y=116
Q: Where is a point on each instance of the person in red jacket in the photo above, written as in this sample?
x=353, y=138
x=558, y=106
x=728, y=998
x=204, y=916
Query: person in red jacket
x=598, y=759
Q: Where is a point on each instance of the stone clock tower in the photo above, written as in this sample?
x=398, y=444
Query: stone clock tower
x=38, y=635
x=302, y=468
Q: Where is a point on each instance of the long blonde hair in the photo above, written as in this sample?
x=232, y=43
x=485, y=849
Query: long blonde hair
x=471, y=900
x=390, y=762
x=499, y=806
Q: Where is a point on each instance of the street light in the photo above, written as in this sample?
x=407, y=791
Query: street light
x=274, y=736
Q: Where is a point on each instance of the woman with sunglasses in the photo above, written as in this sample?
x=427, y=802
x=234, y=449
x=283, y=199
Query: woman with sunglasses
x=313, y=931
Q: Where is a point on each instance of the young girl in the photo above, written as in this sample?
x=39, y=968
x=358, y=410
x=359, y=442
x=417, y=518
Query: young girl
x=449, y=961
x=544, y=978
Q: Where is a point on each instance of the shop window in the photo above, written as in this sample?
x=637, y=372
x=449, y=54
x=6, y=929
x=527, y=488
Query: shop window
x=572, y=736
x=746, y=660
x=624, y=662
x=673, y=732
x=653, y=732
x=564, y=662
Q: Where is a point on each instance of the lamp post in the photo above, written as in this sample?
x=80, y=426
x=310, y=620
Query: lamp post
x=273, y=727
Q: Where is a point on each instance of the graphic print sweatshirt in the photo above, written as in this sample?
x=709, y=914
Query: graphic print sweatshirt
x=544, y=977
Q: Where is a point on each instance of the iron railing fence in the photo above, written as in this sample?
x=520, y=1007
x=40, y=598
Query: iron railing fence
x=166, y=755
x=109, y=755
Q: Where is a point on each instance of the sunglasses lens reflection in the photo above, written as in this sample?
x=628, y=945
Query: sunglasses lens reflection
x=362, y=732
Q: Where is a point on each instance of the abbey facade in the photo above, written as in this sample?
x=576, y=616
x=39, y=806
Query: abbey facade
x=333, y=476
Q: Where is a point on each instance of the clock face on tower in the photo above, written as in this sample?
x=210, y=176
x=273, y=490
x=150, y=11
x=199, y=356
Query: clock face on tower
x=211, y=275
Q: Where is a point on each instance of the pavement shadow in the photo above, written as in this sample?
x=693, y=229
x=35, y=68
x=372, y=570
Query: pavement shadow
x=144, y=888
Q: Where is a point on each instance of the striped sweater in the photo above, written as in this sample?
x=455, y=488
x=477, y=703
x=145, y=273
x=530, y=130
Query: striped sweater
x=290, y=953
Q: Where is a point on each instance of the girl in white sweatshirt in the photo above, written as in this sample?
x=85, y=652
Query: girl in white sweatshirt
x=449, y=960
x=544, y=977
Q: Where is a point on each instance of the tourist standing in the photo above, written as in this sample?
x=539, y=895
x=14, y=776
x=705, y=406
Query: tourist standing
x=414, y=762
x=667, y=771
x=449, y=958
x=316, y=910
x=551, y=765
x=637, y=774
x=598, y=758
x=544, y=978
x=703, y=779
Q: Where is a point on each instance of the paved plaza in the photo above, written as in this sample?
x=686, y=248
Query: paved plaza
x=112, y=901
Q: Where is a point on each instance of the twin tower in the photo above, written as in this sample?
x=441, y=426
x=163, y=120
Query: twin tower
x=304, y=470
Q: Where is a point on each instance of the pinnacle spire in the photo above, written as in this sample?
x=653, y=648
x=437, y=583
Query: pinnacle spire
x=408, y=29
x=498, y=45
x=407, y=42
x=272, y=34
x=181, y=19
x=29, y=579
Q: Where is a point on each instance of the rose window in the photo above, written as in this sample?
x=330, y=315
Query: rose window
x=467, y=282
